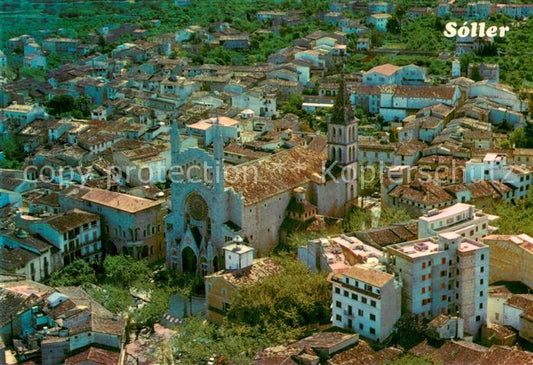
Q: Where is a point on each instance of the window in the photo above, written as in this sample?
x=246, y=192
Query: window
x=478, y=318
x=372, y=331
x=423, y=265
x=443, y=261
x=423, y=277
x=354, y=296
x=372, y=317
x=443, y=286
x=481, y=281
x=338, y=318
x=480, y=305
x=337, y=290
x=363, y=300
x=360, y=313
x=345, y=294
x=361, y=326
x=338, y=304
x=443, y=273
x=373, y=303
x=423, y=290
x=443, y=298
x=482, y=269
x=481, y=293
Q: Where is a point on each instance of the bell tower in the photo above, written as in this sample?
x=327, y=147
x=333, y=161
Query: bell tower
x=342, y=130
x=342, y=144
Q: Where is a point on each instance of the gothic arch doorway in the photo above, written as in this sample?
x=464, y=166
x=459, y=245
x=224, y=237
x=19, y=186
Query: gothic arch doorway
x=189, y=260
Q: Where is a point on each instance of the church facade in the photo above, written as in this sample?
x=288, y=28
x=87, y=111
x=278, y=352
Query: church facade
x=211, y=204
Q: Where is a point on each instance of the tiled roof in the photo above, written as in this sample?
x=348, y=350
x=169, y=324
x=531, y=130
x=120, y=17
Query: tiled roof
x=425, y=193
x=409, y=148
x=17, y=258
x=101, y=320
x=384, y=236
x=370, y=276
x=67, y=221
x=94, y=356
x=124, y=202
x=386, y=69
x=425, y=92
x=266, y=177
x=260, y=269
x=364, y=354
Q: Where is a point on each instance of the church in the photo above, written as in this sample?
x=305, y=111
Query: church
x=211, y=203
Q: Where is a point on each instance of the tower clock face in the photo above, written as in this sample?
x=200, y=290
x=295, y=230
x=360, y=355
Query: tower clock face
x=197, y=207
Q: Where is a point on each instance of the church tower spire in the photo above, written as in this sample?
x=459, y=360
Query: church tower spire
x=342, y=129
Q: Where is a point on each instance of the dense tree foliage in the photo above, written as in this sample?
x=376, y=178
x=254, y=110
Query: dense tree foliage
x=13, y=153
x=293, y=299
x=393, y=215
x=196, y=341
x=516, y=217
x=125, y=271
x=113, y=282
x=272, y=311
x=66, y=105
x=78, y=272
x=522, y=137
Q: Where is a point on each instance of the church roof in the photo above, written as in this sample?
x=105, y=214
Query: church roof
x=269, y=176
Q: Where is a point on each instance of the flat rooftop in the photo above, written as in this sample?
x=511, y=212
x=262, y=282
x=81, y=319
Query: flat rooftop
x=450, y=211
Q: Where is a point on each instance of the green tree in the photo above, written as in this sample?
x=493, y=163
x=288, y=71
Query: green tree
x=125, y=271
x=113, y=298
x=358, y=219
x=61, y=104
x=79, y=272
x=393, y=215
x=150, y=313
x=518, y=138
x=475, y=75
x=294, y=299
x=393, y=25
x=293, y=104
x=13, y=150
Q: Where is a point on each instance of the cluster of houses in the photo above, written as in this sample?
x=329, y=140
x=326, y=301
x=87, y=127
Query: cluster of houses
x=484, y=9
x=449, y=268
x=51, y=326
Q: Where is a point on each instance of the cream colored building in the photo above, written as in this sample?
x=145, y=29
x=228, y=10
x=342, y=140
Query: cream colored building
x=511, y=258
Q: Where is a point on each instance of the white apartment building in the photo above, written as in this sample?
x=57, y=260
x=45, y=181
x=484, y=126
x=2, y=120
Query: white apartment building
x=75, y=233
x=494, y=167
x=459, y=218
x=448, y=274
x=366, y=300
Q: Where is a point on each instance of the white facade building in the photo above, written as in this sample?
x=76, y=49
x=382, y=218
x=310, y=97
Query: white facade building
x=444, y=275
x=459, y=218
x=366, y=300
